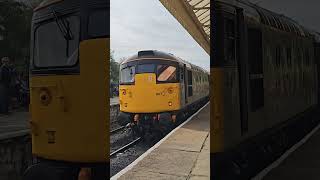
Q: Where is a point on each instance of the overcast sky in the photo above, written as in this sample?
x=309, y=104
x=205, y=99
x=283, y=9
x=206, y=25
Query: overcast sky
x=306, y=12
x=146, y=24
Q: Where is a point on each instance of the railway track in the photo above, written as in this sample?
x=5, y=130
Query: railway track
x=136, y=147
x=125, y=147
x=117, y=129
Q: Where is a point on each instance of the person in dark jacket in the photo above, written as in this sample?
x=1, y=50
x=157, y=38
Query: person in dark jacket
x=5, y=80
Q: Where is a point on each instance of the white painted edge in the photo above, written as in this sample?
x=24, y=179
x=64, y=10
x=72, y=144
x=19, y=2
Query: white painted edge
x=130, y=166
x=276, y=163
x=14, y=134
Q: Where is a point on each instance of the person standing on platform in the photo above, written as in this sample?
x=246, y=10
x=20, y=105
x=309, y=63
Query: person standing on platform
x=5, y=80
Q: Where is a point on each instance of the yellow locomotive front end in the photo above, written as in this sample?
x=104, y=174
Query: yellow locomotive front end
x=69, y=59
x=147, y=95
x=150, y=90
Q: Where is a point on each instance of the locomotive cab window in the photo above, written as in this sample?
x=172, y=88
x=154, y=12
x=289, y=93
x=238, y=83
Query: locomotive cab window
x=62, y=33
x=145, y=68
x=127, y=74
x=166, y=73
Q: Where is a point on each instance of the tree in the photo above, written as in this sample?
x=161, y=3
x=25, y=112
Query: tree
x=114, y=69
x=15, y=20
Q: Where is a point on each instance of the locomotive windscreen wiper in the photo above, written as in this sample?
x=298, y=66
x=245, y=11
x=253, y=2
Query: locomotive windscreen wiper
x=63, y=26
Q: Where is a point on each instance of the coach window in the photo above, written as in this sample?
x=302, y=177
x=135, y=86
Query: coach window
x=230, y=41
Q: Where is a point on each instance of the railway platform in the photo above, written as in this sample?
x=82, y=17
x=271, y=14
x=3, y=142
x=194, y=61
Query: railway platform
x=114, y=101
x=15, y=144
x=14, y=124
x=302, y=163
x=182, y=154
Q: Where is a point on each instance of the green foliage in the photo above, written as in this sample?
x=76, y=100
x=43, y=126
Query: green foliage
x=15, y=18
x=114, y=69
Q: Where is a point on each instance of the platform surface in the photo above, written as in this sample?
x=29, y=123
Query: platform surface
x=304, y=163
x=184, y=155
x=114, y=101
x=14, y=124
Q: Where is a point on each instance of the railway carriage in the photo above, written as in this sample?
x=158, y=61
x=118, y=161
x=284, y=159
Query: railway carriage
x=265, y=76
x=158, y=89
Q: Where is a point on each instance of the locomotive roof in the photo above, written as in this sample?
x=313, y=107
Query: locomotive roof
x=154, y=54
x=269, y=18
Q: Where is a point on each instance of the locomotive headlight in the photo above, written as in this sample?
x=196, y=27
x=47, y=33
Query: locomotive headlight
x=45, y=97
x=170, y=103
x=170, y=90
x=124, y=92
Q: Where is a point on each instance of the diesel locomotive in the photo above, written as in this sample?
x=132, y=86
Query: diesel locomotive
x=264, y=87
x=69, y=52
x=157, y=90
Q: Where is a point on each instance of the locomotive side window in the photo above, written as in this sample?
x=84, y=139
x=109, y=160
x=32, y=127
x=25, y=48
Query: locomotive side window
x=181, y=74
x=255, y=69
x=190, y=92
x=230, y=42
x=127, y=74
x=166, y=73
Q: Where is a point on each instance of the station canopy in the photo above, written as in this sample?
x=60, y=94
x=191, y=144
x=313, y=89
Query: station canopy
x=194, y=16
